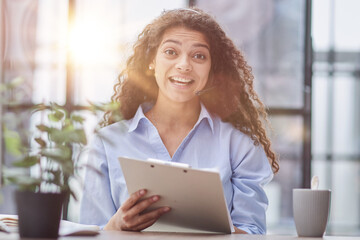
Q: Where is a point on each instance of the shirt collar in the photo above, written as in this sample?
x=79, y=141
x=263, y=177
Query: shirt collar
x=139, y=115
x=204, y=114
x=143, y=108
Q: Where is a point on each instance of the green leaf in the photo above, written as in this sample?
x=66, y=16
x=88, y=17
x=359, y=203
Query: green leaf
x=56, y=116
x=40, y=141
x=14, y=83
x=77, y=118
x=13, y=142
x=59, y=136
x=43, y=128
x=68, y=135
x=94, y=107
x=27, y=162
x=21, y=177
x=78, y=136
x=104, y=107
x=56, y=177
x=68, y=168
x=112, y=106
x=116, y=117
x=68, y=122
x=57, y=107
x=60, y=154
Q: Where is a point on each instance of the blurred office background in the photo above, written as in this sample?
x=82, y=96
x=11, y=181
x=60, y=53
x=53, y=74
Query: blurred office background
x=305, y=57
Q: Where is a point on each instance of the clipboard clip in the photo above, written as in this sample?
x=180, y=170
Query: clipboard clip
x=175, y=164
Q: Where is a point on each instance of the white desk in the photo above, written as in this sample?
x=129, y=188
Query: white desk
x=114, y=235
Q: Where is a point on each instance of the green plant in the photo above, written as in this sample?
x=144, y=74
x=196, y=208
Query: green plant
x=49, y=160
x=54, y=154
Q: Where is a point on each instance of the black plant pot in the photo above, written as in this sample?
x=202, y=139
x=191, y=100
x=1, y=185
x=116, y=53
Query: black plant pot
x=39, y=214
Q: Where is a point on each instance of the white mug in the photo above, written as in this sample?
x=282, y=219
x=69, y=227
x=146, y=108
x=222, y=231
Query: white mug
x=311, y=211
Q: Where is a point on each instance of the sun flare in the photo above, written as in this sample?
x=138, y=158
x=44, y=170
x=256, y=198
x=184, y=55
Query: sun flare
x=91, y=43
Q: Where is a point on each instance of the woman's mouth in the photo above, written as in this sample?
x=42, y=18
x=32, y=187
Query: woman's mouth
x=180, y=81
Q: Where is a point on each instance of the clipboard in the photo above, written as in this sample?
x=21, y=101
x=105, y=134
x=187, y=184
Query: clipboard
x=196, y=196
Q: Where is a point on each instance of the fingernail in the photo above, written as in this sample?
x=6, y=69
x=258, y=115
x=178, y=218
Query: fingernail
x=142, y=192
x=167, y=209
x=155, y=198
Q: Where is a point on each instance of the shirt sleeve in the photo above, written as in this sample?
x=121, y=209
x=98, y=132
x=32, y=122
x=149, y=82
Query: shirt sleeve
x=251, y=171
x=97, y=206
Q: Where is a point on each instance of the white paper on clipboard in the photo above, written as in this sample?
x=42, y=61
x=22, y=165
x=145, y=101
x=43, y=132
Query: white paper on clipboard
x=196, y=196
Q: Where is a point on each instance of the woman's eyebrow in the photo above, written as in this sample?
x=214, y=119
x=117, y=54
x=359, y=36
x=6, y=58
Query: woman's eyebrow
x=179, y=43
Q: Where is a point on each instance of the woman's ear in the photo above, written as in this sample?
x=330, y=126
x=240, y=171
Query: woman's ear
x=151, y=66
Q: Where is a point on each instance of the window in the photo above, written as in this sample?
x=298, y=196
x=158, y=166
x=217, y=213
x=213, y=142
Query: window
x=69, y=52
x=336, y=112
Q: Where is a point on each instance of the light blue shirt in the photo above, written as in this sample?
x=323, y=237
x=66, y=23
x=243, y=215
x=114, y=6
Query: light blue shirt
x=243, y=167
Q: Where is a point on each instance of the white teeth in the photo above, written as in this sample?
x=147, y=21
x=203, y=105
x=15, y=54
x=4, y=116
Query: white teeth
x=183, y=80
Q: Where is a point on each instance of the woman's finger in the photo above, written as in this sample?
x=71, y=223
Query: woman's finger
x=144, y=225
x=153, y=215
x=145, y=220
x=132, y=200
x=141, y=206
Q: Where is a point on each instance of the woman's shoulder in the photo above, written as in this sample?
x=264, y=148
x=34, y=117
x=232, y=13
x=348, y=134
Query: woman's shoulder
x=114, y=128
x=218, y=125
x=225, y=126
x=228, y=129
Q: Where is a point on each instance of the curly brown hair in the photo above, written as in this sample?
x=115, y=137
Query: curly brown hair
x=232, y=96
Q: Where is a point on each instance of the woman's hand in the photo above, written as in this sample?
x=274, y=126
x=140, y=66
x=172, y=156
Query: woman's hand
x=129, y=216
x=239, y=231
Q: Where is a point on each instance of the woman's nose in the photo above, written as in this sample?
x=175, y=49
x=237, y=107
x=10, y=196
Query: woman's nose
x=184, y=64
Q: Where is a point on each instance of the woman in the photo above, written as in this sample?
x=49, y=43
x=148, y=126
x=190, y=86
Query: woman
x=186, y=96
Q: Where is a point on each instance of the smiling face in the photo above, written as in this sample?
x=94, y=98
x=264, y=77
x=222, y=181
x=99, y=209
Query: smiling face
x=182, y=64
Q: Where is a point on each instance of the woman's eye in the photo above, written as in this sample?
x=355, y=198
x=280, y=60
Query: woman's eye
x=199, y=56
x=170, y=52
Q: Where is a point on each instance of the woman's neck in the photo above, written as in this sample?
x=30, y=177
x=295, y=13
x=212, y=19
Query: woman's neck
x=170, y=114
x=174, y=121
